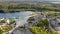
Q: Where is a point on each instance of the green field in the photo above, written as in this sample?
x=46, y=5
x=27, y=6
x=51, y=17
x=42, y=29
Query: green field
x=25, y=6
x=40, y=28
x=50, y=12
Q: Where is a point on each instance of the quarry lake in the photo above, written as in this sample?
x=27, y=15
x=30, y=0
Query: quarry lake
x=17, y=15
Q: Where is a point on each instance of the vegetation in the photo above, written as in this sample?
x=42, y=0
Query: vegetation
x=31, y=19
x=5, y=28
x=40, y=28
x=31, y=6
x=2, y=21
x=11, y=21
x=21, y=26
x=50, y=12
x=1, y=31
x=42, y=23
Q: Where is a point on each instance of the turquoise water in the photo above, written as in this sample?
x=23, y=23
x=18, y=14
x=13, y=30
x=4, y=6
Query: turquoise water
x=16, y=16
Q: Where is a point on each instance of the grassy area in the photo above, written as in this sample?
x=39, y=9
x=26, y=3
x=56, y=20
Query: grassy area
x=50, y=12
x=42, y=28
x=39, y=30
x=56, y=2
x=22, y=6
x=5, y=28
x=1, y=22
x=31, y=19
x=22, y=26
x=11, y=21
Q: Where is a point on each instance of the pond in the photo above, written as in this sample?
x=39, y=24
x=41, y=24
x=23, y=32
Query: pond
x=16, y=16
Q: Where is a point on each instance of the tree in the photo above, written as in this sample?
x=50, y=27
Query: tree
x=44, y=22
x=1, y=31
x=31, y=19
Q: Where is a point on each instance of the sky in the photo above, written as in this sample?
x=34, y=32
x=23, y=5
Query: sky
x=28, y=0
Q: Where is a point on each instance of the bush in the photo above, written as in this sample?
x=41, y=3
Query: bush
x=42, y=23
x=11, y=21
x=31, y=19
x=41, y=30
x=6, y=28
x=1, y=31
x=22, y=27
x=2, y=21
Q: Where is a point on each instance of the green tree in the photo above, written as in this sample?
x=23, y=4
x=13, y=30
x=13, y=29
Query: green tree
x=1, y=31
